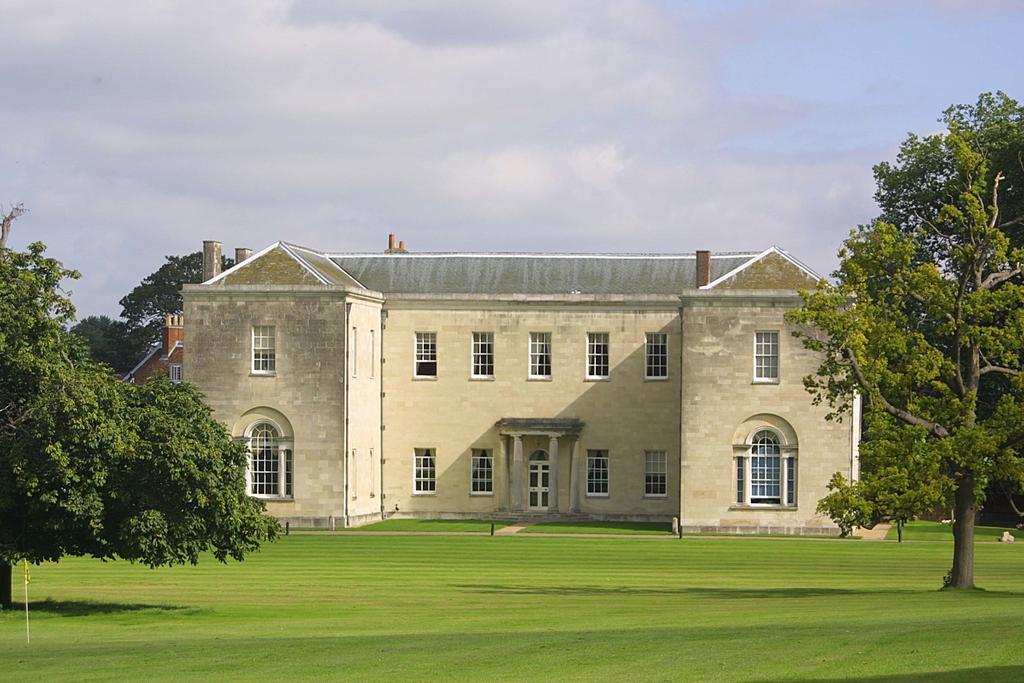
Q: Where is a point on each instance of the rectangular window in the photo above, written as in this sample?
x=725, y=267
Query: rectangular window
x=597, y=355
x=175, y=372
x=597, y=473
x=790, y=481
x=764, y=479
x=741, y=496
x=424, y=471
x=657, y=355
x=655, y=473
x=482, y=475
x=483, y=354
x=355, y=352
x=426, y=354
x=540, y=354
x=264, y=353
x=373, y=353
x=766, y=356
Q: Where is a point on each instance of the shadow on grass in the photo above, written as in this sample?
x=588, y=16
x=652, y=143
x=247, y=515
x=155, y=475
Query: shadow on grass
x=708, y=592
x=989, y=674
x=739, y=593
x=85, y=608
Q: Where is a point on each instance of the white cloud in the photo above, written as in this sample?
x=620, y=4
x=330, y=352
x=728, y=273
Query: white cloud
x=139, y=129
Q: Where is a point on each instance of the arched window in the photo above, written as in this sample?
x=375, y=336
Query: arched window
x=270, y=462
x=766, y=471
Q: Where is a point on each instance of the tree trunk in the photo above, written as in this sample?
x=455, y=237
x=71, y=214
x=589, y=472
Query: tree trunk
x=899, y=531
x=962, y=574
x=5, y=586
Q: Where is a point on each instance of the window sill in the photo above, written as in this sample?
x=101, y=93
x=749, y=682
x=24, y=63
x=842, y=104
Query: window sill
x=763, y=506
x=656, y=496
x=484, y=494
x=597, y=379
x=539, y=379
x=656, y=379
x=274, y=499
x=596, y=495
x=424, y=379
x=481, y=378
x=765, y=381
x=255, y=373
x=424, y=493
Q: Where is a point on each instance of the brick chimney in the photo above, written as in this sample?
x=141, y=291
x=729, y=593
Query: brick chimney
x=703, y=268
x=211, y=259
x=394, y=246
x=174, y=331
x=242, y=253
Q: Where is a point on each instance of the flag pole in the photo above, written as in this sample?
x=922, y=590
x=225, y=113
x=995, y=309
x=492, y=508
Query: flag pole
x=28, y=634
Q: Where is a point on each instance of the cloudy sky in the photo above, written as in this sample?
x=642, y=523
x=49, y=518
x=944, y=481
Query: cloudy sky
x=137, y=129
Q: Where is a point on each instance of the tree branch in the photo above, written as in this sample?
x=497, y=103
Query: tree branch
x=995, y=279
x=1000, y=369
x=933, y=428
x=7, y=220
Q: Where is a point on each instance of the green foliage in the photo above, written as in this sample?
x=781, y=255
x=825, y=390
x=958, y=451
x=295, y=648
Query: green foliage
x=926, y=319
x=91, y=465
x=108, y=342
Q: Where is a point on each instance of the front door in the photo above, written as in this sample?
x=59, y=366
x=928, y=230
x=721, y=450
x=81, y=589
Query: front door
x=539, y=475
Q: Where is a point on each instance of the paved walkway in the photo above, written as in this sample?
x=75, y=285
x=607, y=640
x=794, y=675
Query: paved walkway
x=512, y=528
x=876, y=534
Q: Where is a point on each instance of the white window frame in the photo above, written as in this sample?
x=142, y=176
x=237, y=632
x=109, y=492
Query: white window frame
x=481, y=485
x=284, y=486
x=478, y=341
x=534, y=348
x=660, y=469
x=596, y=454
x=424, y=460
x=759, y=354
x=424, y=343
x=648, y=356
x=267, y=364
x=174, y=373
x=594, y=362
x=789, y=473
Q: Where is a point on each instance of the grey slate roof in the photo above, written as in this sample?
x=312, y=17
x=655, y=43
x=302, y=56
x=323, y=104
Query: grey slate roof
x=531, y=274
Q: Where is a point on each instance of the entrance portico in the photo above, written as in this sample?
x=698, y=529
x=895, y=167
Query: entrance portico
x=533, y=483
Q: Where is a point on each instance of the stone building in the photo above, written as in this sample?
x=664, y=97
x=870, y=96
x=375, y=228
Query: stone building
x=637, y=387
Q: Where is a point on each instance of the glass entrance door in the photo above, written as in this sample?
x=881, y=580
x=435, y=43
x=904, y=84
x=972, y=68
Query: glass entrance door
x=539, y=480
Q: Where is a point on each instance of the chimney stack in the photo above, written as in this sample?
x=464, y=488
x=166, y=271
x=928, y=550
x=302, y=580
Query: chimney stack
x=391, y=243
x=703, y=268
x=401, y=246
x=211, y=259
x=174, y=331
x=242, y=253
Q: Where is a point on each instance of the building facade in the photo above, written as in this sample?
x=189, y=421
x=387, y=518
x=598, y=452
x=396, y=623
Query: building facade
x=636, y=387
x=165, y=358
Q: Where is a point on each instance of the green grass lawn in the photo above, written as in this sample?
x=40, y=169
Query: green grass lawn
x=646, y=528
x=452, y=525
x=474, y=608
x=921, y=530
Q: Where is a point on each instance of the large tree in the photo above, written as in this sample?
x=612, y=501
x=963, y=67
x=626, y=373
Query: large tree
x=93, y=466
x=926, y=318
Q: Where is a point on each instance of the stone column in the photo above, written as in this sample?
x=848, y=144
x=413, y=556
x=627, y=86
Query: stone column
x=553, y=482
x=580, y=461
x=574, y=476
x=517, y=473
x=501, y=475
